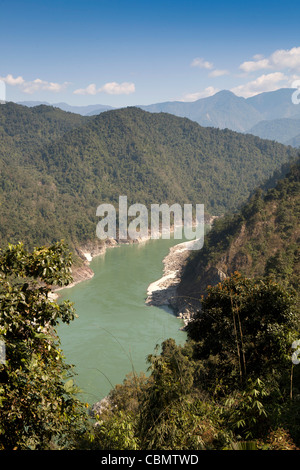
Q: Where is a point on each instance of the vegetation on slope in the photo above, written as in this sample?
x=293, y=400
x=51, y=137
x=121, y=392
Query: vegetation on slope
x=55, y=172
x=38, y=404
x=262, y=239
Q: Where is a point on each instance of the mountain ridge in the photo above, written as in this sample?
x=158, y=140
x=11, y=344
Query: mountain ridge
x=87, y=110
x=222, y=110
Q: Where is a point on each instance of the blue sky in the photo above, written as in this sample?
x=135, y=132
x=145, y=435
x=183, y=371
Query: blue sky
x=122, y=53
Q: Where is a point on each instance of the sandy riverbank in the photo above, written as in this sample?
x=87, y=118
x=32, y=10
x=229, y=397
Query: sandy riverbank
x=163, y=292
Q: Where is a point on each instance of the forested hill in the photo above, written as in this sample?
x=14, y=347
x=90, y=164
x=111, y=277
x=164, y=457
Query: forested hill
x=57, y=167
x=261, y=240
x=28, y=128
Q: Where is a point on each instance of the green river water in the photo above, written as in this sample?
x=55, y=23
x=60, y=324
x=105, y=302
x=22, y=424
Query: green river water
x=115, y=330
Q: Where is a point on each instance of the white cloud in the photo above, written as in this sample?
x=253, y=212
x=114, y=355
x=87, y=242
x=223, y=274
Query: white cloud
x=43, y=85
x=114, y=88
x=204, y=64
x=209, y=91
x=218, y=73
x=289, y=59
x=10, y=80
x=278, y=60
x=31, y=87
x=111, y=88
x=89, y=90
x=292, y=79
x=201, y=63
x=269, y=82
x=254, y=65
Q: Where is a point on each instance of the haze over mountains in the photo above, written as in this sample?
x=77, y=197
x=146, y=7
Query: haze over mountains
x=88, y=110
x=270, y=115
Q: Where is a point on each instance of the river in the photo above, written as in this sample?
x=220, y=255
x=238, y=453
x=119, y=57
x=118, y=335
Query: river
x=115, y=331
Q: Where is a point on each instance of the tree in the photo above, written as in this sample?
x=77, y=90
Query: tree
x=38, y=406
x=242, y=340
x=247, y=326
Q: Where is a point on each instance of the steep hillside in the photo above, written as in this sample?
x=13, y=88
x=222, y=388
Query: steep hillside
x=52, y=184
x=27, y=195
x=30, y=128
x=260, y=240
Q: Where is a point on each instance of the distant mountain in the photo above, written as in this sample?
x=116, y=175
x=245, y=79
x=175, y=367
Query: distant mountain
x=294, y=142
x=281, y=130
x=251, y=115
x=222, y=110
x=275, y=104
x=99, y=108
x=88, y=110
x=84, y=110
x=31, y=104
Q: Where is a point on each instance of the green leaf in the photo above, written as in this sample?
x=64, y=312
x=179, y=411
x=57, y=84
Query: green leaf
x=69, y=386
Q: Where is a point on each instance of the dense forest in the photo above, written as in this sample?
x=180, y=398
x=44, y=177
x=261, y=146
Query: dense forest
x=235, y=383
x=56, y=168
